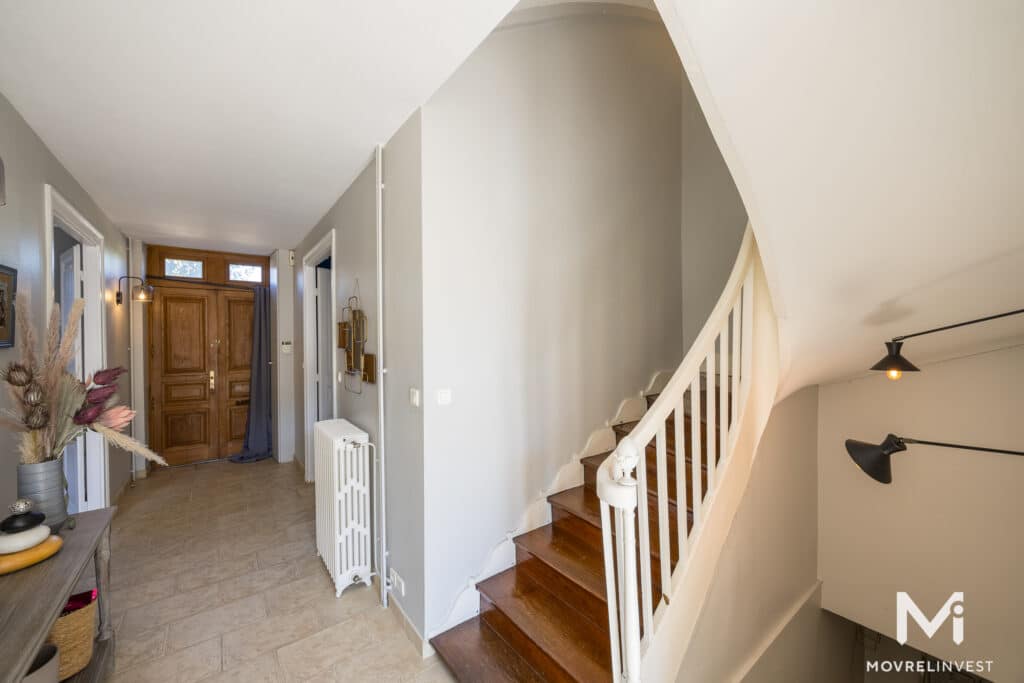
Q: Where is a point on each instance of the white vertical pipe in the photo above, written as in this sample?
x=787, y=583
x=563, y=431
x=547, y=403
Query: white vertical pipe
x=380, y=449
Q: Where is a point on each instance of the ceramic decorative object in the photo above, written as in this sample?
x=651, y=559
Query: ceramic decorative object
x=14, y=543
x=43, y=483
x=22, y=517
x=27, y=558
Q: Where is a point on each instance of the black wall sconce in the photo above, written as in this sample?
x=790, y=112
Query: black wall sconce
x=894, y=364
x=141, y=292
x=875, y=459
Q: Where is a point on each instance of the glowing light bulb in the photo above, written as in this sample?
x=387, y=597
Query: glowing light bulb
x=893, y=374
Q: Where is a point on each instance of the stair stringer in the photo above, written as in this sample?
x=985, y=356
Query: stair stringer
x=675, y=622
x=538, y=512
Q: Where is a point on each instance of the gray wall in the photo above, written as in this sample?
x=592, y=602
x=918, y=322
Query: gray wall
x=950, y=521
x=551, y=216
x=29, y=165
x=354, y=220
x=713, y=218
x=769, y=563
x=282, y=326
x=403, y=346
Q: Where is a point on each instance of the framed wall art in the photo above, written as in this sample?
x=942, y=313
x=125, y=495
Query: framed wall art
x=8, y=287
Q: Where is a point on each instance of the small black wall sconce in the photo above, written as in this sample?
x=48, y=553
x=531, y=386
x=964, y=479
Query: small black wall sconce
x=142, y=293
x=875, y=459
x=894, y=364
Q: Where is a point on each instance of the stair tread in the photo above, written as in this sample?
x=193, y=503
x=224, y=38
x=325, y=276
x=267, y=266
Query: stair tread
x=474, y=652
x=576, y=644
x=579, y=558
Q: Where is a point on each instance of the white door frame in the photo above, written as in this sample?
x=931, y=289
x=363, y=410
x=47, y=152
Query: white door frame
x=94, y=333
x=323, y=249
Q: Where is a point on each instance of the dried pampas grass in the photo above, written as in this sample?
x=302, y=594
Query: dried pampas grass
x=126, y=442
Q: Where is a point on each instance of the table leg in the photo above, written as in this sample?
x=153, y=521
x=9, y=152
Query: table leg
x=102, y=560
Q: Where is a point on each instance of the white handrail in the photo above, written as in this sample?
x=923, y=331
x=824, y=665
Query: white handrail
x=719, y=362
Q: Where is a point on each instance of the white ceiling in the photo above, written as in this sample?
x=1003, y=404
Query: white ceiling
x=878, y=147
x=231, y=125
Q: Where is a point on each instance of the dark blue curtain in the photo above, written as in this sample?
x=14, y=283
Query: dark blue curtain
x=259, y=442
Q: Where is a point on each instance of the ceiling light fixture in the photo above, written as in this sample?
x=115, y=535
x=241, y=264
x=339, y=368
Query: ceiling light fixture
x=875, y=459
x=894, y=364
x=142, y=293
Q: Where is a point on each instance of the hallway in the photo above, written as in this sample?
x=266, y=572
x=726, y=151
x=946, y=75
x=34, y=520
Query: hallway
x=215, y=577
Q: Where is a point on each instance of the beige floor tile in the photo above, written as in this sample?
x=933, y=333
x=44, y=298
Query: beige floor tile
x=290, y=551
x=256, y=581
x=267, y=635
x=130, y=651
x=217, y=571
x=213, y=622
x=354, y=601
x=437, y=673
x=121, y=599
x=303, y=593
x=151, y=615
x=191, y=664
x=263, y=669
x=392, y=660
x=318, y=653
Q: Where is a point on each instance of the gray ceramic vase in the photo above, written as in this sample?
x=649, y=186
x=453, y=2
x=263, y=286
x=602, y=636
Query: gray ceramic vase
x=43, y=482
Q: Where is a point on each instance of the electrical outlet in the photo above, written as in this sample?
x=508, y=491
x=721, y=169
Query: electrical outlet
x=397, y=583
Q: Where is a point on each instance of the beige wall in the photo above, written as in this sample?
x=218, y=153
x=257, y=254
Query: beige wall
x=550, y=264
x=768, y=566
x=951, y=519
x=29, y=166
x=713, y=218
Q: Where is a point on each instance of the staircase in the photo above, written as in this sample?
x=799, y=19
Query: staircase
x=546, y=618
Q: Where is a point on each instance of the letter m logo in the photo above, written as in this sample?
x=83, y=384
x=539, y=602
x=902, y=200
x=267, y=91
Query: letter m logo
x=905, y=607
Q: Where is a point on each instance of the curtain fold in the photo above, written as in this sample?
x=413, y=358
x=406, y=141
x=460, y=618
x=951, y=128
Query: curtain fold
x=259, y=443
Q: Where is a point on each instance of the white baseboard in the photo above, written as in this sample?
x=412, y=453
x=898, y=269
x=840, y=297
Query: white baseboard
x=421, y=644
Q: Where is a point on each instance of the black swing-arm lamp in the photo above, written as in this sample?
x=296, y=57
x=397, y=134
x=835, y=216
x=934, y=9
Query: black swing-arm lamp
x=894, y=364
x=874, y=459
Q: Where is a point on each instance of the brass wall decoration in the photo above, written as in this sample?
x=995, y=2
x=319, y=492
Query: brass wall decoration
x=352, y=335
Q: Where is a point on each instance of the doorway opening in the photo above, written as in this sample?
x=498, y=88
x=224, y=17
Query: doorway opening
x=200, y=331
x=74, y=269
x=319, y=325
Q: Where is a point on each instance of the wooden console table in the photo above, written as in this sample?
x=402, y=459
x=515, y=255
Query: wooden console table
x=31, y=599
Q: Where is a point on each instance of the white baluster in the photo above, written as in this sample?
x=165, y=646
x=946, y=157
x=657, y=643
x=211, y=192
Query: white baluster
x=748, y=330
x=695, y=449
x=643, y=516
x=679, y=421
x=736, y=332
x=664, y=545
x=723, y=394
x=611, y=593
x=710, y=398
x=630, y=599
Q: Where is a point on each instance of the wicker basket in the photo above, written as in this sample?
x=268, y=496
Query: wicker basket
x=73, y=634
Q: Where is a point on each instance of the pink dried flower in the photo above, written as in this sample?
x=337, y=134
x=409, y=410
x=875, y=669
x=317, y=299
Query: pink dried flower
x=108, y=376
x=117, y=418
x=100, y=395
x=88, y=414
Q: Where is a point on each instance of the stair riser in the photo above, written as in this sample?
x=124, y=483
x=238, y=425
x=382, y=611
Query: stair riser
x=558, y=514
x=567, y=591
x=539, y=660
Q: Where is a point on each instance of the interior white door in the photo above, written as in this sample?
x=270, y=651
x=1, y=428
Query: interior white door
x=70, y=264
x=325, y=346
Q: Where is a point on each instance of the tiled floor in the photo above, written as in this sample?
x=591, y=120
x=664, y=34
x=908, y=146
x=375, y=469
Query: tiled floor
x=215, y=577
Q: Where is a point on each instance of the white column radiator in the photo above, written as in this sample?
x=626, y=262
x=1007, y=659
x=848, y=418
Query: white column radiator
x=344, y=473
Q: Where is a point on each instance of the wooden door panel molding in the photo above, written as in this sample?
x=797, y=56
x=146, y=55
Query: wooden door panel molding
x=184, y=326
x=188, y=427
x=186, y=391
x=238, y=331
x=235, y=325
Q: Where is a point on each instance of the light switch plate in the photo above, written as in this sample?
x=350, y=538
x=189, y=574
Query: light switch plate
x=444, y=397
x=414, y=397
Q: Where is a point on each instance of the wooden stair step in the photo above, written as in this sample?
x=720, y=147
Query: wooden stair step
x=473, y=652
x=556, y=640
x=593, y=462
x=583, y=502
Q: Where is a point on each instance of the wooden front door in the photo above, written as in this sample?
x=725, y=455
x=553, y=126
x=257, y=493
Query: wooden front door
x=200, y=349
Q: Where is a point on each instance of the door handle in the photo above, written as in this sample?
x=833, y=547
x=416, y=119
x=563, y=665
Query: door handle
x=213, y=384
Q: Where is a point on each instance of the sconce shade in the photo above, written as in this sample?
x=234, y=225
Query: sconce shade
x=143, y=293
x=874, y=459
x=894, y=364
